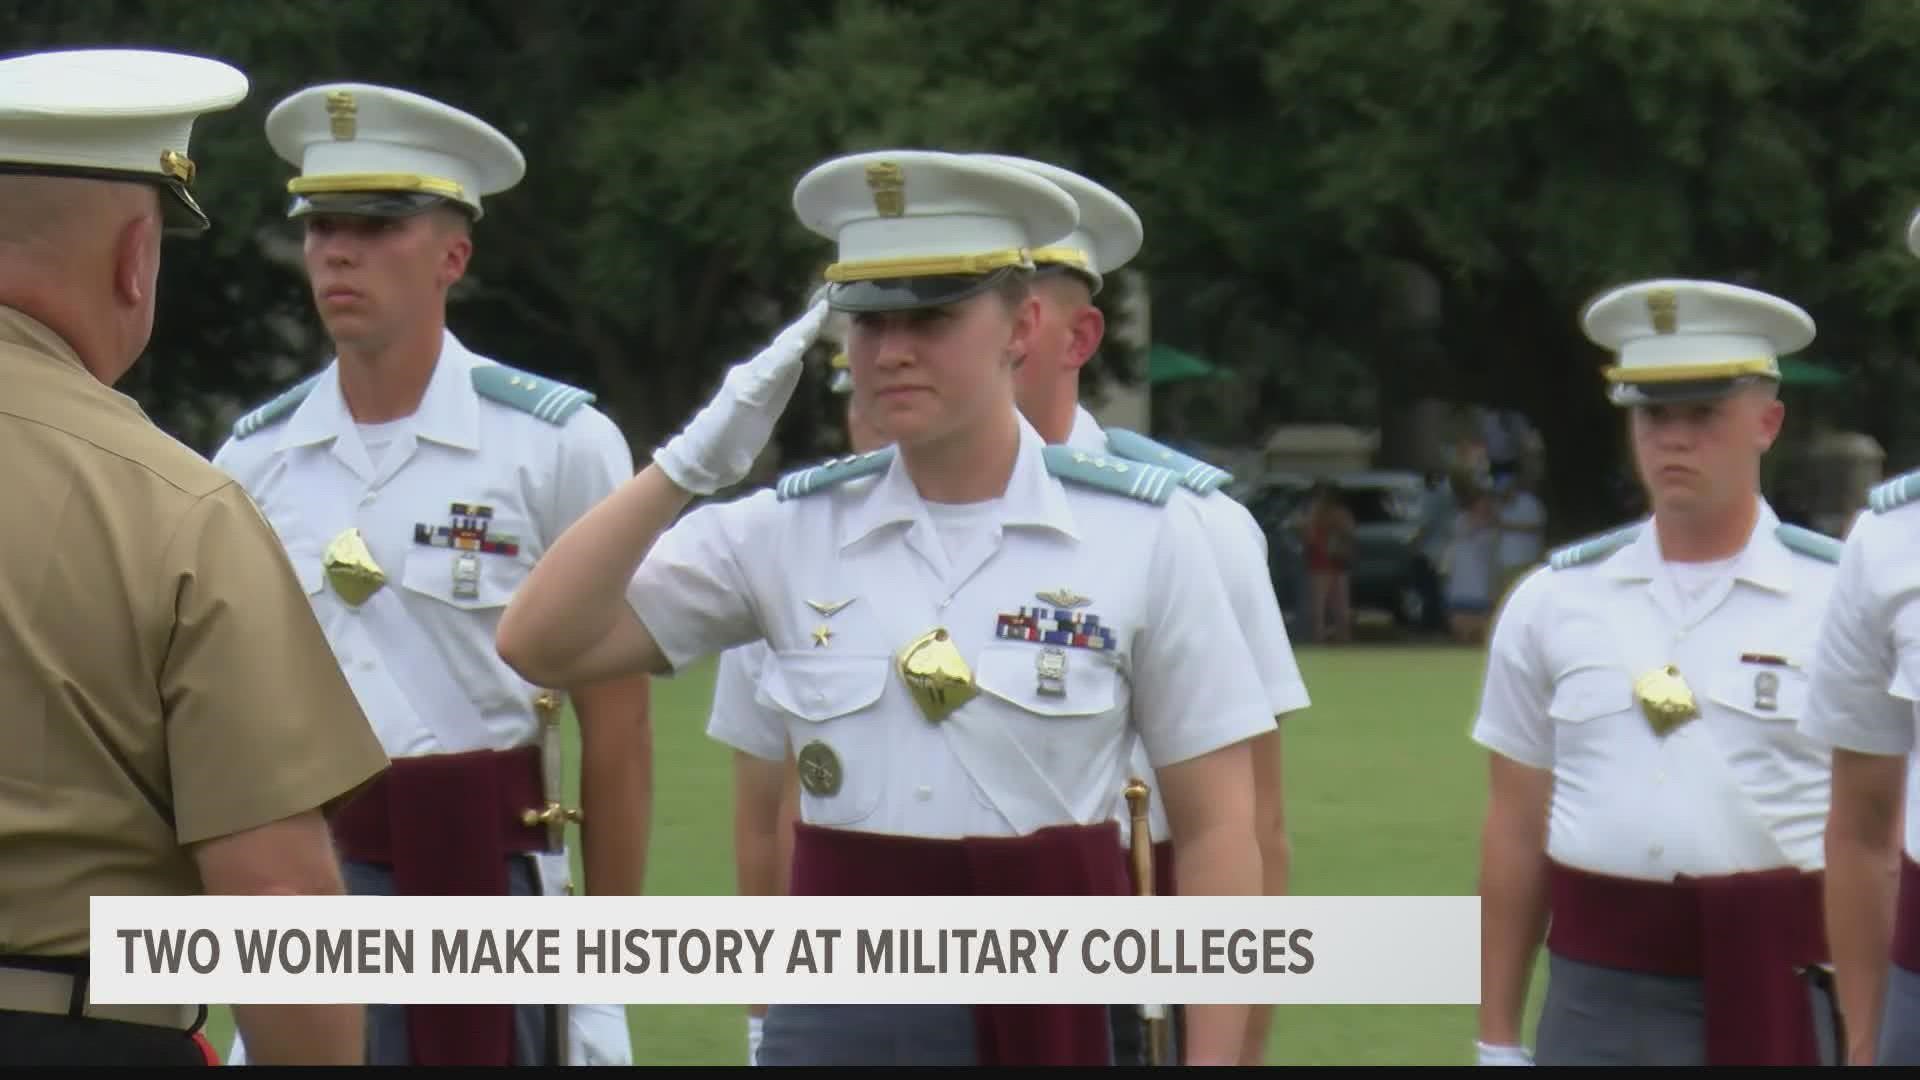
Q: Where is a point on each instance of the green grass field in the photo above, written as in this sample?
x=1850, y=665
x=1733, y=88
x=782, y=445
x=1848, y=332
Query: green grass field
x=1383, y=791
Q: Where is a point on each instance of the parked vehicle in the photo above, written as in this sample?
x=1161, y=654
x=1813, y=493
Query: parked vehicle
x=1390, y=572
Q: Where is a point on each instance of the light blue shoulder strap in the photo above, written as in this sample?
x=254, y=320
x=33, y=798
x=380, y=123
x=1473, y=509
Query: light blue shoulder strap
x=1807, y=542
x=1194, y=474
x=1134, y=479
x=545, y=398
x=276, y=409
x=1895, y=493
x=820, y=477
x=1593, y=548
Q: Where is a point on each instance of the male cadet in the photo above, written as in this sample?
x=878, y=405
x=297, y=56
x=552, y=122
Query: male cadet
x=766, y=785
x=1866, y=685
x=415, y=483
x=1653, y=813
x=1070, y=273
x=175, y=723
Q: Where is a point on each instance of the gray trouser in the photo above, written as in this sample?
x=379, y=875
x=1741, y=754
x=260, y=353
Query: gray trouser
x=387, y=1024
x=867, y=1035
x=1602, y=1016
x=1900, y=1019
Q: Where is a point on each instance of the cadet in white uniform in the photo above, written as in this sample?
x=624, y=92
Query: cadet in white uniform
x=1070, y=273
x=1650, y=794
x=966, y=632
x=1864, y=705
x=414, y=483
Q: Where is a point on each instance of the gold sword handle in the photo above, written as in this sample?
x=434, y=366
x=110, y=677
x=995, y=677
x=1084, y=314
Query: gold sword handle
x=1137, y=794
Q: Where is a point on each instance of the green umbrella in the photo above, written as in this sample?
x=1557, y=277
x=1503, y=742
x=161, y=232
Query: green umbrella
x=1797, y=372
x=1167, y=364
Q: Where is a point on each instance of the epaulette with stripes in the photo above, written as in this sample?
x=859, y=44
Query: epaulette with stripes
x=1137, y=480
x=276, y=409
x=544, y=398
x=820, y=477
x=1894, y=493
x=1807, y=542
x=1194, y=474
x=1594, y=548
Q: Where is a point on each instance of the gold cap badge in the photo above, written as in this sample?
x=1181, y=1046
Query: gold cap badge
x=889, y=187
x=1666, y=699
x=1664, y=309
x=341, y=109
x=936, y=674
x=351, y=569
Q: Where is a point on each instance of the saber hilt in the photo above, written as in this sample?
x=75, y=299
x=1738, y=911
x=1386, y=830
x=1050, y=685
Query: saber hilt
x=1155, y=1016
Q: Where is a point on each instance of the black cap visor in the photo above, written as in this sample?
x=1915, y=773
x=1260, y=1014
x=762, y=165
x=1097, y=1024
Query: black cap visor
x=905, y=294
x=380, y=204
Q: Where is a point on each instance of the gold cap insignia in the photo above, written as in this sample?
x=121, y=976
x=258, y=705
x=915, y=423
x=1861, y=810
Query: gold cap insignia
x=819, y=769
x=351, y=569
x=936, y=674
x=889, y=187
x=1666, y=699
x=1663, y=308
x=177, y=165
x=340, y=113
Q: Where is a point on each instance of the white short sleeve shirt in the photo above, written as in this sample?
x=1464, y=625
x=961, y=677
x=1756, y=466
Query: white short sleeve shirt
x=838, y=582
x=1739, y=788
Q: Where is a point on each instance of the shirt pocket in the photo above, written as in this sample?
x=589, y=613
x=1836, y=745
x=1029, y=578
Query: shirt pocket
x=1768, y=693
x=1588, y=694
x=476, y=581
x=1088, y=682
x=837, y=735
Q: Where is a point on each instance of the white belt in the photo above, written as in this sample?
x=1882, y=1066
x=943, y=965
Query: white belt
x=35, y=991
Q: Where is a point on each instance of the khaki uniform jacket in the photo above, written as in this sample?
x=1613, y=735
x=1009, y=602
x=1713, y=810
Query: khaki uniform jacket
x=165, y=681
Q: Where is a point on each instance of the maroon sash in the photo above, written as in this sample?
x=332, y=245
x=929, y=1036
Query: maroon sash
x=1906, y=923
x=1747, y=936
x=1066, y=860
x=445, y=825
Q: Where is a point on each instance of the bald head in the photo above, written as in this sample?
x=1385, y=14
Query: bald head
x=83, y=257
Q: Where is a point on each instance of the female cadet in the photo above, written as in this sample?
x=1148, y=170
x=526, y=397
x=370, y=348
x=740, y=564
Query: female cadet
x=964, y=631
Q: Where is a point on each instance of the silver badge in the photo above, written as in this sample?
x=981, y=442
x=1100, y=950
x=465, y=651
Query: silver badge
x=1052, y=667
x=1766, y=690
x=466, y=576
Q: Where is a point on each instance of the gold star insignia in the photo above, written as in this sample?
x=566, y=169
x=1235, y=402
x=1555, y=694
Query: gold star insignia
x=820, y=635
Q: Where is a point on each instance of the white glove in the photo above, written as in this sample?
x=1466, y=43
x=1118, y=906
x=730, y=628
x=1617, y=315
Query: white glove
x=754, y=1024
x=1503, y=1055
x=717, y=448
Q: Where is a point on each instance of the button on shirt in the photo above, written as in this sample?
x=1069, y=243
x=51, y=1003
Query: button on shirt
x=1866, y=686
x=1239, y=556
x=420, y=653
x=1737, y=789
x=1012, y=759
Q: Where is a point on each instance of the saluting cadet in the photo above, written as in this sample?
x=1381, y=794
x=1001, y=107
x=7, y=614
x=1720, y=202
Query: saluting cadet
x=1653, y=812
x=1069, y=274
x=175, y=724
x=966, y=631
x=766, y=787
x=414, y=482
x=1864, y=705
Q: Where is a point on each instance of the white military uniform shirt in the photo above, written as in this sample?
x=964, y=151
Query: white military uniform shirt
x=1240, y=558
x=1866, y=685
x=1012, y=759
x=420, y=652
x=1737, y=789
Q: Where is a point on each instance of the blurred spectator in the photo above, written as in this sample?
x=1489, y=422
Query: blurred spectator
x=1471, y=567
x=1329, y=536
x=1522, y=519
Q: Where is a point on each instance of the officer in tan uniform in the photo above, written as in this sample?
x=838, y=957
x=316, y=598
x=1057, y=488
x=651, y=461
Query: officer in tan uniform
x=175, y=722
